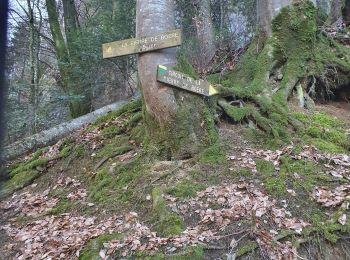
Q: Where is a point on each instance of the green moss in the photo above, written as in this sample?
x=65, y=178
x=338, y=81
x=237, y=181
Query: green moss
x=92, y=249
x=111, y=149
x=302, y=117
x=327, y=133
x=310, y=174
x=118, y=187
x=245, y=172
x=193, y=253
x=134, y=120
x=166, y=223
x=329, y=228
x=185, y=189
x=129, y=107
x=65, y=152
x=184, y=66
x=170, y=225
x=137, y=133
x=313, y=131
x=326, y=146
x=37, y=154
x=63, y=206
x=79, y=151
x=213, y=155
x=23, y=219
x=237, y=113
x=68, y=141
x=265, y=167
x=275, y=183
x=190, y=130
x=18, y=181
x=248, y=246
x=327, y=121
x=111, y=131
x=295, y=51
x=338, y=137
x=32, y=164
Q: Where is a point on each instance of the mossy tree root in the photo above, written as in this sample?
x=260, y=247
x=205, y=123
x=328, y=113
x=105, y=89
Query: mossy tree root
x=297, y=58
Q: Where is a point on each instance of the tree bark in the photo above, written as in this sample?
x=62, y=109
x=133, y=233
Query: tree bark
x=173, y=117
x=346, y=12
x=32, y=57
x=205, y=33
x=71, y=23
x=335, y=12
x=72, y=85
x=264, y=16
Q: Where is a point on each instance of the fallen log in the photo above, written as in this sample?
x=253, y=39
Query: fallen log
x=52, y=135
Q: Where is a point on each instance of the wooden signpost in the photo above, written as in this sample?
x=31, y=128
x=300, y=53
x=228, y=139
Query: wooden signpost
x=165, y=75
x=180, y=80
x=142, y=44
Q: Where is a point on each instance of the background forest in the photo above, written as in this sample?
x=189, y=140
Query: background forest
x=49, y=74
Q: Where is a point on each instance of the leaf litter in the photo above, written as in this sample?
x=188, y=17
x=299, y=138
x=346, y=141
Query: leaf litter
x=214, y=210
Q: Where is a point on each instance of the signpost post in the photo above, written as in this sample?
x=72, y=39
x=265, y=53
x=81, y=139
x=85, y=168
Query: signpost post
x=183, y=81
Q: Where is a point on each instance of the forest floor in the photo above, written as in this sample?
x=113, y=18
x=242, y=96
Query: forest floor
x=99, y=195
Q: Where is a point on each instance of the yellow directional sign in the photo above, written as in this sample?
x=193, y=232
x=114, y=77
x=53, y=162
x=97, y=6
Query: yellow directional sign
x=183, y=81
x=142, y=44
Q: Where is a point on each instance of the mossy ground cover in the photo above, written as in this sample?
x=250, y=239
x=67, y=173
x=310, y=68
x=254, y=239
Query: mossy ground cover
x=23, y=173
x=92, y=249
x=326, y=132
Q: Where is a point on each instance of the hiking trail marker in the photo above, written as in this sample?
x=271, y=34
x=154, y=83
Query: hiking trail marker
x=183, y=81
x=142, y=44
x=156, y=42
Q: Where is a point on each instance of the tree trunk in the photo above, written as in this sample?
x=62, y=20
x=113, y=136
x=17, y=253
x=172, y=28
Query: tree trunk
x=173, y=117
x=264, y=16
x=32, y=56
x=80, y=95
x=50, y=136
x=346, y=12
x=71, y=23
x=205, y=33
x=335, y=12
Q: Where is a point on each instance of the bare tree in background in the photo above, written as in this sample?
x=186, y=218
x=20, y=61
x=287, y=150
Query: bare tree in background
x=335, y=11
